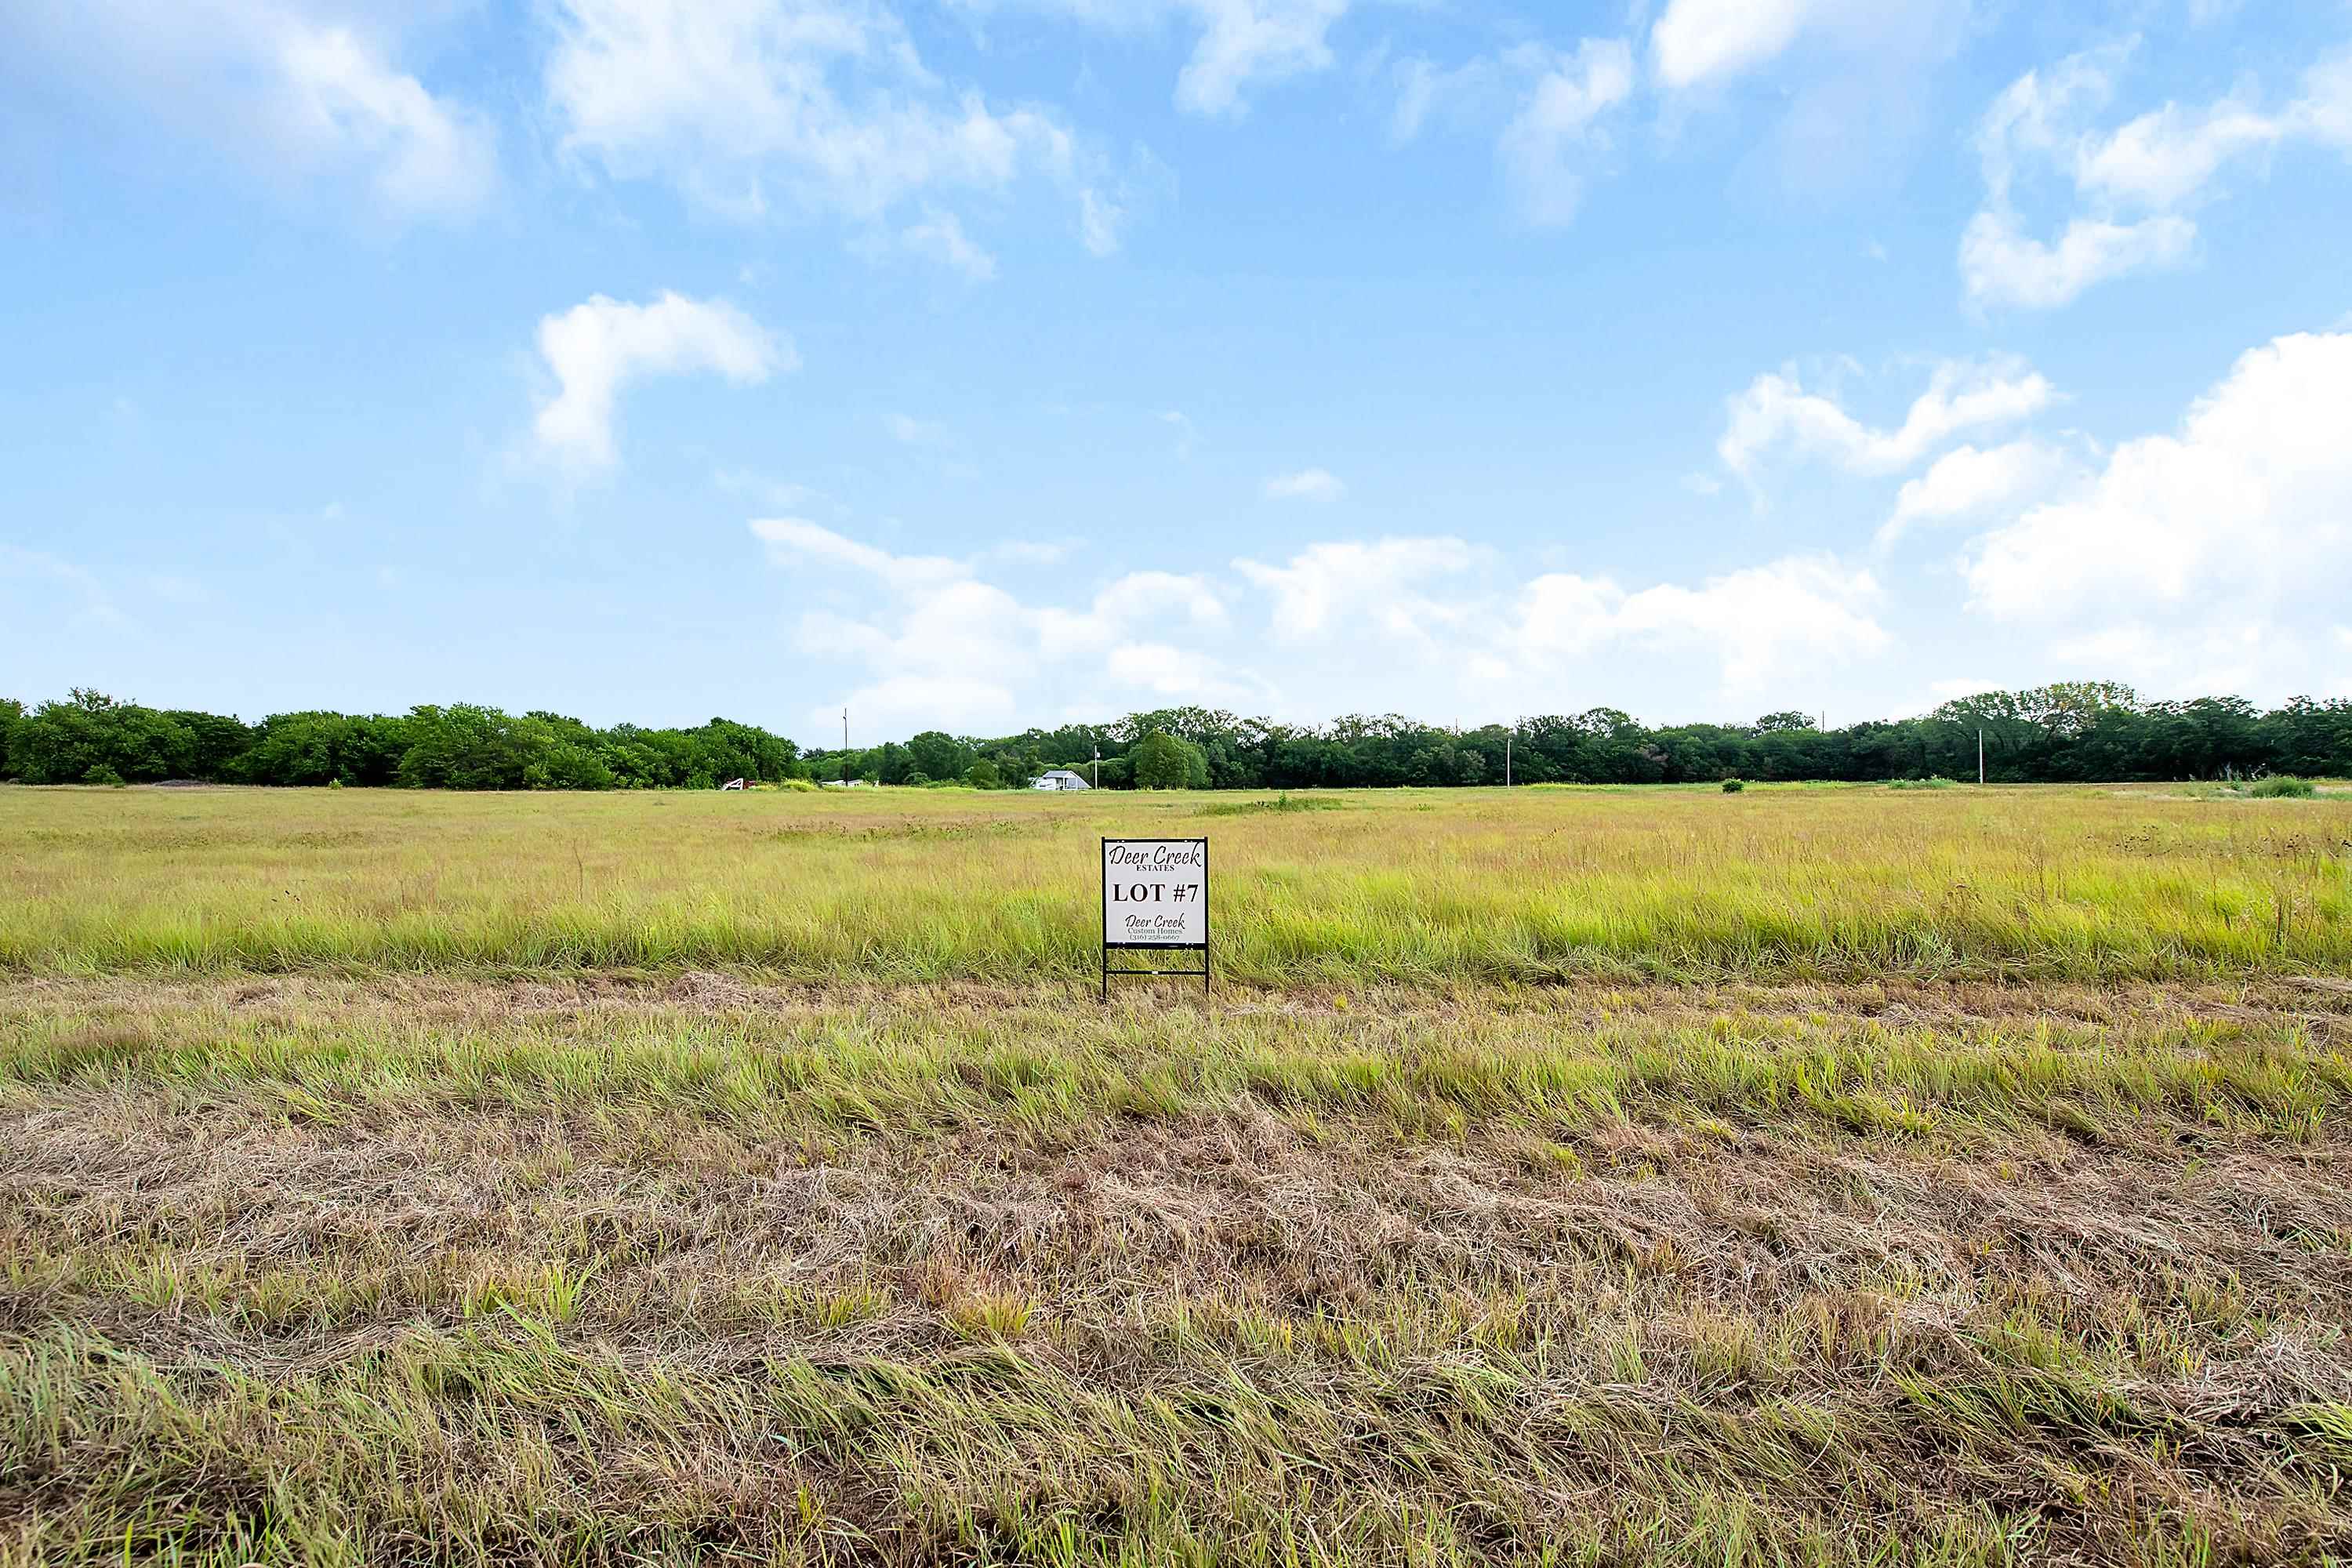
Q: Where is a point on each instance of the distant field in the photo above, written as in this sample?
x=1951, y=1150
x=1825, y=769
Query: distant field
x=1404, y=885
x=1803, y=1176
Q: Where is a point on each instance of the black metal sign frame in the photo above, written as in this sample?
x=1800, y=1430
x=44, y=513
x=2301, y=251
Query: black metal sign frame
x=1200, y=947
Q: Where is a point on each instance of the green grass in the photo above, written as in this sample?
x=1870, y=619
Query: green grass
x=1798, y=1177
x=1416, y=888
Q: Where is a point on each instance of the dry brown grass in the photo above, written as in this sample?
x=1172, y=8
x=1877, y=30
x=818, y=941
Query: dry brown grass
x=424, y=1180
x=701, y=1268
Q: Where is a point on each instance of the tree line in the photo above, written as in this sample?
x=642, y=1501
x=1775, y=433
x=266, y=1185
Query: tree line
x=2095, y=730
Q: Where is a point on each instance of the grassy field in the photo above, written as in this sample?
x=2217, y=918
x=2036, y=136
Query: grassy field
x=1800, y=1176
x=1409, y=887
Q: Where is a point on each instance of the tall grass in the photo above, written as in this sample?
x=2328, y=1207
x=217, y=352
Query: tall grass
x=1405, y=887
x=342, y=1271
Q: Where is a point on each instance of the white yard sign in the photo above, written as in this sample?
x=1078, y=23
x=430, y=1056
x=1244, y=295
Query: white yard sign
x=1155, y=892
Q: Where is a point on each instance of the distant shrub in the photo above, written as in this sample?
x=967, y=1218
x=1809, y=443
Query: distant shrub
x=1937, y=782
x=335, y=784
x=1279, y=802
x=800, y=786
x=1733, y=787
x=2282, y=786
x=102, y=774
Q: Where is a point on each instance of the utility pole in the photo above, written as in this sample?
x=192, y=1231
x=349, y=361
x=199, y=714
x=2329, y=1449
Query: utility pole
x=844, y=748
x=1507, y=762
x=1096, y=743
x=1980, y=753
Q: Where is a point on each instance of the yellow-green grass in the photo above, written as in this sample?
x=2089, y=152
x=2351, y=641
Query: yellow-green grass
x=1408, y=886
x=1799, y=1176
x=577, y=1270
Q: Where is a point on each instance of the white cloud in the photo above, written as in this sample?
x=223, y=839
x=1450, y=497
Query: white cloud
x=942, y=237
x=2162, y=159
x=1543, y=148
x=946, y=649
x=1696, y=41
x=794, y=539
x=2136, y=181
x=1241, y=45
x=1968, y=481
x=783, y=495
x=1098, y=221
x=2186, y=545
x=1961, y=395
x=598, y=347
x=1244, y=43
x=1848, y=96
x=825, y=98
x=21, y=569
x=290, y=90
x=1760, y=624
x=1702, y=44
x=909, y=431
x=1399, y=602
x=1383, y=585
x=1420, y=625
x=1308, y=484
x=427, y=155
x=1551, y=104
x=1032, y=551
x=2000, y=265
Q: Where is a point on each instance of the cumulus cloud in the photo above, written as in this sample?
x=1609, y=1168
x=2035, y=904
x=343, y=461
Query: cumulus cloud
x=791, y=539
x=2136, y=184
x=2230, y=534
x=292, y=89
x=1389, y=585
x=1968, y=481
x=1544, y=147
x=1696, y=41
x=1239, y=46
x=1418, y=624
x=1759, y=624
x=1776, y=410
x=1553, y=107
x=1247, y=42
x=941, y=237
x=600, y=346
x=945, y=648
x=1307, y=484
x=41, y=580
x=1847, y=85
x=827, y=99
x=1408, y=600
x=2002, y=265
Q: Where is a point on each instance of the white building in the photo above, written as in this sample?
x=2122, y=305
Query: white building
x=1060, y=778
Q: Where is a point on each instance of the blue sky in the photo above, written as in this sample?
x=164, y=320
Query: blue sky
x=989, y=362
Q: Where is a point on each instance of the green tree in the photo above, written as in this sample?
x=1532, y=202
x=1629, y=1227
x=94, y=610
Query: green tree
x=940, y=755
x=12, y=713
x=90, y=732
x=466, y=746
x=1159, y=761
x=568, y=765
x=983, y=775
x=215, y=742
